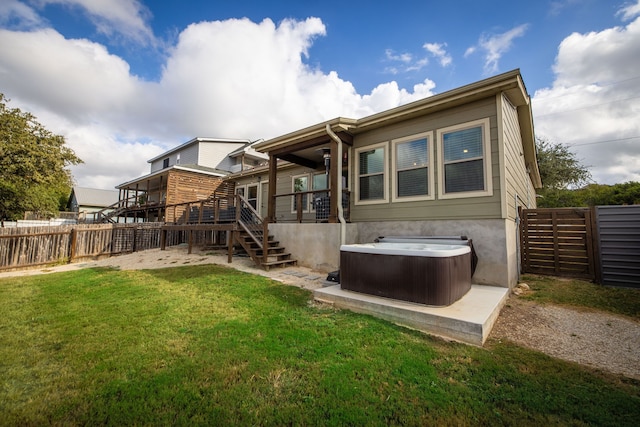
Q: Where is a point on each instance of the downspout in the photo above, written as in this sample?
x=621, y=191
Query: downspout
x=343, y=223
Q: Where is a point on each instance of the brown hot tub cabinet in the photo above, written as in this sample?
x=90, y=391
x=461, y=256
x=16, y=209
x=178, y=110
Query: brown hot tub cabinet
x=436, y=272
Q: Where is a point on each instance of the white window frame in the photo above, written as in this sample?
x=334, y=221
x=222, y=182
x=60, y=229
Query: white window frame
x=385, y=174
x=257, y=198
x=305, y=207
x=313, y=198
x=486, y=160
x=430, y=168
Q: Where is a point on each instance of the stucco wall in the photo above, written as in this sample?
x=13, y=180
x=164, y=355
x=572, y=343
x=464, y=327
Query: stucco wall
x=317, y=245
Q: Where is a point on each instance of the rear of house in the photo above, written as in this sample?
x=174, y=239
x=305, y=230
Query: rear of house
x=457, y=163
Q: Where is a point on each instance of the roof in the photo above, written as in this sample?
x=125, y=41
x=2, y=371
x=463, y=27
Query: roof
x=249, y=150
x=198, y=140
x=510, y=83
x=190, y=168
x=95, y=197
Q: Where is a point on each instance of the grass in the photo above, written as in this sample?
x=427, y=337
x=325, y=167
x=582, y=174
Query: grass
x=208, y=345
x=584, y=295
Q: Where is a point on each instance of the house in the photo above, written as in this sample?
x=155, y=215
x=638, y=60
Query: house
x=86, y=202
x=189, y=172
x=457, y=163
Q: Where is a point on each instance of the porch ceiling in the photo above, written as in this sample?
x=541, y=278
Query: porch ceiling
x=309, y=153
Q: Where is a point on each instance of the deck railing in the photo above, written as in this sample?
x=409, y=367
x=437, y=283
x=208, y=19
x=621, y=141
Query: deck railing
x=309, y=206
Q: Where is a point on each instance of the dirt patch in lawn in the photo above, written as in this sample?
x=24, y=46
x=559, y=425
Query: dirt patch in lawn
x=589, y=337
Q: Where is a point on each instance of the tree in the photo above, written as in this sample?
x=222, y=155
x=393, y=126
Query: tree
x=34, y=174
x=559, y=170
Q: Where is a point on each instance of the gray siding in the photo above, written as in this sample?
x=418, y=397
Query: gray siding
x=518, y=184
x=619, y=234
x=188, y=156
x=215, y=154
x=463, y=208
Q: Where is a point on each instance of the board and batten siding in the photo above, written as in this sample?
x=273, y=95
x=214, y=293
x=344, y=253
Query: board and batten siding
x=517, y=182
x=462, y=208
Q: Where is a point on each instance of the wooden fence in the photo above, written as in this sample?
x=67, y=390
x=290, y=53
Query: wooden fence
x=34, y=246
x=559, y=242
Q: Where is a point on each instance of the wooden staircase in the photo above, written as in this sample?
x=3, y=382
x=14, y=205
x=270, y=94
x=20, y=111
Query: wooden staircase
x=276, y=254
x=265, y=252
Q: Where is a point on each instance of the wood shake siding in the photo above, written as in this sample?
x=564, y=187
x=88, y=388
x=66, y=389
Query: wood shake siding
x=184, y=186
x=516, y=177
x=462, y=208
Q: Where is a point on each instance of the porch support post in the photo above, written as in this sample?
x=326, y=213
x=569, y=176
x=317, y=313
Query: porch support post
x=335, y=166
x=271, y=207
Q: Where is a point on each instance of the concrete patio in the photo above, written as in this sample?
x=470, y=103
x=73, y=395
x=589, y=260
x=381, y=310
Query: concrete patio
x=468, y=320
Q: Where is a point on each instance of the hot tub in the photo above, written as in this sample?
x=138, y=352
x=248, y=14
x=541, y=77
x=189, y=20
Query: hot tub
x=435, y=273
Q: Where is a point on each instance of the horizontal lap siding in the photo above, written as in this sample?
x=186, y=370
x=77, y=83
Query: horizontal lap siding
x=619, y=235
x=519, y=190
x=463, y=208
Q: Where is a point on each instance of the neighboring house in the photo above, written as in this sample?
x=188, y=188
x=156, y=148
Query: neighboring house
x=457, y=163
x=86, y=202
x=189, y=172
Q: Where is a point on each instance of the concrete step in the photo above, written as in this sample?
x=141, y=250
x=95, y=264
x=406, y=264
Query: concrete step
x=467, y=320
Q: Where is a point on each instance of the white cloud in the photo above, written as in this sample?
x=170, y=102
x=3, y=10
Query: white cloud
x=227, y=79
x=438, y=50
x=17, y=14
x=629, y=11
x=402, y=57
x=406, y=62
x=594, y=102
x=127, y=18
x=496, y=45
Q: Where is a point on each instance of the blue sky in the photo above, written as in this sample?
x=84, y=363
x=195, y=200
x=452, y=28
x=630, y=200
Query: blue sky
x=124, y=80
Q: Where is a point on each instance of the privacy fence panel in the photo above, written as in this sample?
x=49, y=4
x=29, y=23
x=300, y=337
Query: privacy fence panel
x=619, y=241
x=558, y=242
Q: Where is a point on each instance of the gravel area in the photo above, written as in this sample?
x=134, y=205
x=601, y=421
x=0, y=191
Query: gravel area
x=596, y=339
x=599, y=340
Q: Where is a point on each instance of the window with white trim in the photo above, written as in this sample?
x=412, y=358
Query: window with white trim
x=300, y=183
x=371, y=168
x=413, y=168
x=465, y=160
x=252, y=195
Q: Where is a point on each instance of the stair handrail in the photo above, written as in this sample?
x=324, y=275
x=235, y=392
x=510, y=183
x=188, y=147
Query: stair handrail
x=241, y=204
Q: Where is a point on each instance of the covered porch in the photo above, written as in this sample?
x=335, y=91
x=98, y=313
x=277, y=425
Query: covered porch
x=318, y=190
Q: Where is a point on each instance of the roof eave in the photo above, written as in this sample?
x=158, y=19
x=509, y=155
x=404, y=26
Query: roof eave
x=193, y=141
x=337, y=124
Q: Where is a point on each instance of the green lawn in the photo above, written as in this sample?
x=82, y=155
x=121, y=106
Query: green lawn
x=583, y=295
x=208, y=345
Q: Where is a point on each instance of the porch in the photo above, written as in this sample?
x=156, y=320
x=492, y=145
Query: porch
x=318, y=191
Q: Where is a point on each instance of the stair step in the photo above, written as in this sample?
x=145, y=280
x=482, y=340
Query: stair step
x=279, y=250
x=282, y=263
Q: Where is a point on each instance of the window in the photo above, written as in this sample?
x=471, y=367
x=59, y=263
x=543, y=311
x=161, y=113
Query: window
x=300, y=183
x=165, y=163
x=371, y=166
x=413, y=168
x=465, y=154
x=252, y=195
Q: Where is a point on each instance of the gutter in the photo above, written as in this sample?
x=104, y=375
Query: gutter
x=343, y=223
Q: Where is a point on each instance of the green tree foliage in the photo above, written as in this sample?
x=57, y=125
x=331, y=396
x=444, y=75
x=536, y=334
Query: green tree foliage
x=559, y=167
x=559, y=170
x=34, y=174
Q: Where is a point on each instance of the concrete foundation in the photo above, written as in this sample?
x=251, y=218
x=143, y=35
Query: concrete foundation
x=317, y=246
x=468, y=320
